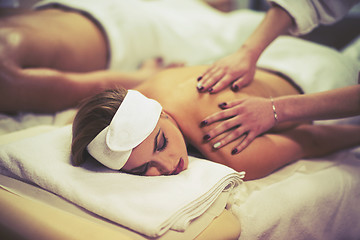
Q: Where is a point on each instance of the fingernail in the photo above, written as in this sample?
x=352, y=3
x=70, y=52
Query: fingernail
x=222, y=105
x=199, y=87
x=210, y=89
x=203, y=123
x=199, y=78
x=217, y=145
x=234, y=151
x=235, y=88
x=206, y=137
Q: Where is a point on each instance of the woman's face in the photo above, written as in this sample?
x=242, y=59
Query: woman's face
x=163, y=152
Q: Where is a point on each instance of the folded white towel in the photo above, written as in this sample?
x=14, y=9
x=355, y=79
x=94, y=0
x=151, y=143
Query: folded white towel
x=149, y=205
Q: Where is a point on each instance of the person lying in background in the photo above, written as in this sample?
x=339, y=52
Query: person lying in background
x=63, y=51
x=43, y=69
x=145, y=131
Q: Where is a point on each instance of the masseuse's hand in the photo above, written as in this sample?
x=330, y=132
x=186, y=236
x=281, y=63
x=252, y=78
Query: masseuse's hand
x=237, y=69
x=248, y=117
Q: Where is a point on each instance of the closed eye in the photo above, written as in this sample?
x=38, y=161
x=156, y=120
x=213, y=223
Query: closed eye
x=163, y=142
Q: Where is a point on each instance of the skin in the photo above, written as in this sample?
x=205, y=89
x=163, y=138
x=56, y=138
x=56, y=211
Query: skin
x=174, y=89
x=256, y=115
x=39, y=62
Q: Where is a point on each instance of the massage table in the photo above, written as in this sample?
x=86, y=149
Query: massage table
x=31, y=212
x=24, y=217
x=309, y=199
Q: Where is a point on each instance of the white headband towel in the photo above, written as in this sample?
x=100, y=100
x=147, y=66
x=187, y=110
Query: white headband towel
x=132, y=123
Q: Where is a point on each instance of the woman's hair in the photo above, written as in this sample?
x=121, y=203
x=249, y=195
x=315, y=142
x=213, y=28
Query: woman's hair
x=95, y=113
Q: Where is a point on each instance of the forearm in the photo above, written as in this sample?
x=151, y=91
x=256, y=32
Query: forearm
x=320, y=140
x=48, y=90
x=108, y=79
x=343, y=102
x=276, y=22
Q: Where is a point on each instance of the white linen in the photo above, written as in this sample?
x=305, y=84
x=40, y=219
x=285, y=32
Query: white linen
x=149, y=205
x=308, y=14
x=313, y=67
x=310, y=199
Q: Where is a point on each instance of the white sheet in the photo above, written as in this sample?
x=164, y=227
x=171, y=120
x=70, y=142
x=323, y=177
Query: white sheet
x=310, y=199
x=149, y=205
x=312, y=67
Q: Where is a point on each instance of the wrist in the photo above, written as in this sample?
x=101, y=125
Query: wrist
x=274, y=110
x=253, y=52
x=287, y=108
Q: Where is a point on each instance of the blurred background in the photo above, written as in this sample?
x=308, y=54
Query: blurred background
x=337, y=35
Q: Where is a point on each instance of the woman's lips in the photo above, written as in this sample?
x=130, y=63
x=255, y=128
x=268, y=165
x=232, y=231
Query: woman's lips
x=179, y=168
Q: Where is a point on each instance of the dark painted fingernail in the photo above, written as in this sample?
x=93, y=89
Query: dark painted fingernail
x=210, y=89
x=203, y=123
x=235, y=88
x=206, y=137
x=199, y=78
x=222, y=105
x=234, y=151
x=199, y=87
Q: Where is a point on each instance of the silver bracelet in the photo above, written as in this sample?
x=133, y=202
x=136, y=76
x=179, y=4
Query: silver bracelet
x=274, y=110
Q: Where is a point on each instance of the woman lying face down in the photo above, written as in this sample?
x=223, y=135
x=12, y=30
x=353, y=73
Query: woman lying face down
x=133, y=134
x=128, y=131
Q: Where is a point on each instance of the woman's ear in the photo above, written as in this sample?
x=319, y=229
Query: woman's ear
x=164, y=115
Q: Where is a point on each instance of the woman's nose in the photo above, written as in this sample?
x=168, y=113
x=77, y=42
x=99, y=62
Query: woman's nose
x=162, y=166
x=153, y=171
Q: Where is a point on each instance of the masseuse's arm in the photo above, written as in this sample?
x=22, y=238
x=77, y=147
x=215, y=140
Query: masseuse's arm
x=257, y=115
x=49, y=90
x=270, y=152
x=239, y=67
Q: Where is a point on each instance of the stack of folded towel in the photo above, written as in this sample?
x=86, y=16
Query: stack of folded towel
x=149, y=205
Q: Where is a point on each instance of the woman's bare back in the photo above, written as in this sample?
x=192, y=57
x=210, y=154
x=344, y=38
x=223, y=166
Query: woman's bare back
x=53, y=38
x=176, y=90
